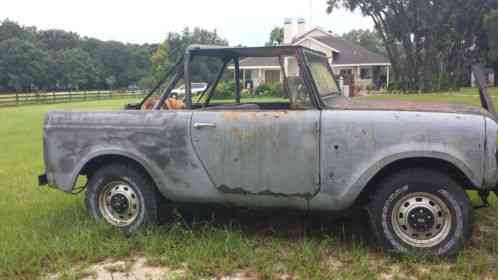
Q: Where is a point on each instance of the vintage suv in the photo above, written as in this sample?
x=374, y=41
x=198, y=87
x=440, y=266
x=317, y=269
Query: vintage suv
x=409, y=164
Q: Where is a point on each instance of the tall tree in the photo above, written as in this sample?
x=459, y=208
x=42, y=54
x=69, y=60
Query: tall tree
x=172, y=49
x=370, y=40
x=491, y=29
x=10, y=29
x=276, y=37
x=78, y=69
x=123, y=64
x=56, y=40
x=57, y=59
x=430, y=43
x=22, y=65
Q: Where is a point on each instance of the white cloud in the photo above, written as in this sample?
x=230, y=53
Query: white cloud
x=241, y=22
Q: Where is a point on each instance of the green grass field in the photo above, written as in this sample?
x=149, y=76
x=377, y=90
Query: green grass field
x=468, y=91
x=44, y=231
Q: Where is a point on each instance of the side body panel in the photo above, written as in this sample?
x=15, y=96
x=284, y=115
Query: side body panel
x=358, y=144
x=159, y=140
x=354, y=146
x=250, y=155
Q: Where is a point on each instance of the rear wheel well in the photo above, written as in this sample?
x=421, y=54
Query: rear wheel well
x=98, y=162
x=440, y=165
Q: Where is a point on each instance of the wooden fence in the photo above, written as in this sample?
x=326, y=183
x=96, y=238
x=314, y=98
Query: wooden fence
x=19, y=99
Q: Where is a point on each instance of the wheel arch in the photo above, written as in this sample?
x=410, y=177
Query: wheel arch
x=98, y=160
x=455, y=171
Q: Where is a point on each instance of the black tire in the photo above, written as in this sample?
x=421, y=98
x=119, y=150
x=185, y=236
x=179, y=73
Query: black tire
x=141, y=196
x=416, y=195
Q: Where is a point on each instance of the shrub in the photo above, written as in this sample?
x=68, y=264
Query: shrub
x=263, y=89
x=277, y=90
x=370, y=88
x=273, y=90
x=245, y=93
x=400, y=85
x=225, y=90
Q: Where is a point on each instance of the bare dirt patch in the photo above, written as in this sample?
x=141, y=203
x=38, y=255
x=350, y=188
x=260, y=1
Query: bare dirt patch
x=139, y=269
x=136, y=268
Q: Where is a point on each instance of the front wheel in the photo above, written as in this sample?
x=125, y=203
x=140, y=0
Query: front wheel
x=122, y=196
x=421, y=211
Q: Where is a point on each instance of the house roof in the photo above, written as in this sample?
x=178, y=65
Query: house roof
x=345, y=52
x=305, y=34
x=351, y=53
x=261, y=62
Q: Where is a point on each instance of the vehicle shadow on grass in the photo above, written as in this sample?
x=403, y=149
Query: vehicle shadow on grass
x=353, y=240
x=347, y=226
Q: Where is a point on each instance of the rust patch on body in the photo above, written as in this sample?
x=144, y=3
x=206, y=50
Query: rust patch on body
x=251, y=116
x=236, y=132
x=244, y=191
x=231, y=116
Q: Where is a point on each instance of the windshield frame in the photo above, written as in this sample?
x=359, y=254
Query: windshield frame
x=182, y=70
x=325, y=61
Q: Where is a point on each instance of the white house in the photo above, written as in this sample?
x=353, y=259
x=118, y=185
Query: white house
x=347, y=59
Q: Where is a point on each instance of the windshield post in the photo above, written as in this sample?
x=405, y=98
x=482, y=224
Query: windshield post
x=321, y=76
x=188, y=86
x=308, y=79
x=168, y=90
x=174, y=69
x=215, y=83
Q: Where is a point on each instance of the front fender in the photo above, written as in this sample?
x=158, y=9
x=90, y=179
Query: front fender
x=370, y=173
x=346, y=198
x=356, y=145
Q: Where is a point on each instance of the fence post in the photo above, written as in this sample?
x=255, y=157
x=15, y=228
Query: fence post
x=17, y=99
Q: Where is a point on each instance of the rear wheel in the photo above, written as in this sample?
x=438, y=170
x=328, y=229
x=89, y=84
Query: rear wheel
x=123, y=197
x=421, y=211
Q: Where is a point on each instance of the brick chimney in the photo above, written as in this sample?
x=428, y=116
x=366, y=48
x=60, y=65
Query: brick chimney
x=301, y=26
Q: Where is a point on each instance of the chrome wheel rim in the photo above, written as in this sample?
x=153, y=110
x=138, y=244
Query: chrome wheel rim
x=421, y=219
x=119, y=204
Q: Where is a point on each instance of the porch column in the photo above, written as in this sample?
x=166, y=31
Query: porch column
x=387, y=76
x=244, y=78
x=237, y=80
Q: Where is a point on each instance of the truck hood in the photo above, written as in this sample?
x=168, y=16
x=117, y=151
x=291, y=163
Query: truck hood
x=399, y=105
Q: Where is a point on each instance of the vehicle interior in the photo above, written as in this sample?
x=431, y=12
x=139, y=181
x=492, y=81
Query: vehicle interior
x=305, y=77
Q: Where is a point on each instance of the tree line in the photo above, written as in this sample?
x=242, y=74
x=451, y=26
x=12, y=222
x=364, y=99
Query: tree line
x=432, y=44
x=53, y=60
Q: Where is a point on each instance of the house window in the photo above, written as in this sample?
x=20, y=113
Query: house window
x=366, y=73
x=272, y=76
x=248, y=74
x=346, y=72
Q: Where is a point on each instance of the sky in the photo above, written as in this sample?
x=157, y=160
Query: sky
x=147, y=21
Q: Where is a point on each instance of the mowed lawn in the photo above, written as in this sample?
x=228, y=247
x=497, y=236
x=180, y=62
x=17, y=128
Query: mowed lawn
x=44, y=231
